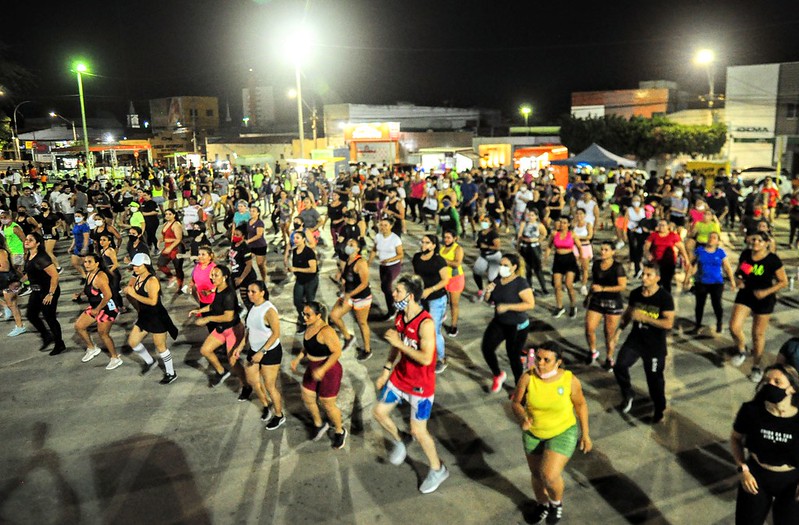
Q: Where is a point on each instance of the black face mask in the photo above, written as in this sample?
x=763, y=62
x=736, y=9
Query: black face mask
x=297, y=226
x=771, y=393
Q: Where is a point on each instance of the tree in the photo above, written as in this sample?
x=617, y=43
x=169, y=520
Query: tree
x=14, y=79
x=645, y=138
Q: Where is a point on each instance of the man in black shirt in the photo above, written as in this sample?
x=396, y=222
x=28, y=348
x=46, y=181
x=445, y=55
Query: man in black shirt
x=718, y=203
x=149, y=209
x=651, y=311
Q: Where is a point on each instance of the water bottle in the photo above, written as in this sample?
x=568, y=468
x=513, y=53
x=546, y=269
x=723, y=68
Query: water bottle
x=528, y=361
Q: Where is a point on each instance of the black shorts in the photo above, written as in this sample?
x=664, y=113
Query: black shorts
x=565, y=263
x=606, y=306
x=270, y=358
x=678, y=221
x=763, y=306
x=258, y=250
x=468, y=211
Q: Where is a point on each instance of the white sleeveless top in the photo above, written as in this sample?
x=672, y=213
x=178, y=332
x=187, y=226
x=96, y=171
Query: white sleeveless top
x=259, y=331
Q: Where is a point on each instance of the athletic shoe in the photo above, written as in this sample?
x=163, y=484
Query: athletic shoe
x=58, y=349
x=657, y=417
x=572, y=312
x=348, y=343
x=7, y=314
x=496, y=386
x=186, y=290
x=638, y=275
x=738, y=359
x=172, y=282
x=559, y=313
x=555, y=513
x=115, y=362
x=363, y=355
x=626, y=405
x=584, y=290
x=319, y=432
x=26, y=290
x=246, y=391
x=168, y=378
x=608, y=364
x=619, y=245
x=17, y=330
x=453, y=331
x=756, y=375
x=718, y=327
x=145, y=368
x=276, y=422
x=540, y=514
x=60, y=269
x=339, y=440
x=218, y=378
x=441, y=365
x=593, y=356
x=267, y=414
x=90, y=354
x=434, y=479
x=398, y=453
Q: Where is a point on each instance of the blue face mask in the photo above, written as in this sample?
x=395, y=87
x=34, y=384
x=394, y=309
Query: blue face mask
x=401, y=305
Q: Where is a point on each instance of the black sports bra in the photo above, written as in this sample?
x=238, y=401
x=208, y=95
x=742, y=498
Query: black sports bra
x=314, y=348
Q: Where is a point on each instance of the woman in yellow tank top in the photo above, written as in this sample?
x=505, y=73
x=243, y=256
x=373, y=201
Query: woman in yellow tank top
x=549, y=404
x=452, y=252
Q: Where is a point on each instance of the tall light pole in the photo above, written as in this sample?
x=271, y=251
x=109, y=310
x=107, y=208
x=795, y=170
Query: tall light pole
x=705, y=57
x=292, y=93
x=298, y=83
x=297, y=50
x=525, y=111
x=72, y=122
x=17, y=152
x=81, y=68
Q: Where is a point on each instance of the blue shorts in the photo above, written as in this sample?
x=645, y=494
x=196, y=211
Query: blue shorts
x=421, y=407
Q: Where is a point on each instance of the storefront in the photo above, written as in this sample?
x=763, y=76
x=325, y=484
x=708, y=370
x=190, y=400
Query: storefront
x=535, y=158
x=373, y=142
x=443, y=159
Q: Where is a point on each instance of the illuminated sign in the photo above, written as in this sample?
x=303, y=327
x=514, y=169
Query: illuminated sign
x=372, y=131
x=752, y=130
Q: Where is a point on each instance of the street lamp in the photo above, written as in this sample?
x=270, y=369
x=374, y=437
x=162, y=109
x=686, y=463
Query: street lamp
x=17, y=152
x=53, y=114
x=292, y=93
x=81, y=68
x=705, y=57
x=297, y=51
x=525, y=111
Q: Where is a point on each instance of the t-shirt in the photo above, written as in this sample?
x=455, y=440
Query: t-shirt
x=224, y=301
x=137, y=219
x=717, y=204
x=429, y=271
x=775, y=440
x=650, y=338
x=710, y=265
x=663, y=246
x=238, y=256
x=387, y=247
x=704, y=229
x=758, y=275
x=677, y=205
x=310, y=218
x=35, y=269
x=147, y=207
x=487, y=237
x=77, y=233
x=303, y=260
x=509, y=294
x=609, y=277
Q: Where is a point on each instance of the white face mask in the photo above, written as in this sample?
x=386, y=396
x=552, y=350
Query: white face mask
x=349, y=250
x=504, y=271
x=678, y=194
x=445, y=185
x=636, y=203
x=700, y=207
x=78, y=220
x=485, y=225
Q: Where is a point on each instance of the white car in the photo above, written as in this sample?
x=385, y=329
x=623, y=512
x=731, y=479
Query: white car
x=755, y=177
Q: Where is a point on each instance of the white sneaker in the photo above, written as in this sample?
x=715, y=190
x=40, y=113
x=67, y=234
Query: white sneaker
x=398, y=453
x=172, y=282
x=584, y=290
x=90, y=354
x=756, y=375
x=185, y=289
x=18, y=330
x=738, y=359
x=115, y=362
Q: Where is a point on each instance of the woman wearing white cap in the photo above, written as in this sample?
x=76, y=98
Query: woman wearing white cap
x=153, y=317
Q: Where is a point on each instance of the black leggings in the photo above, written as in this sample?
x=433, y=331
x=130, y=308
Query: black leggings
x=636, y=241
x=653, y=368
x=514, y=345
x=778, y=488
x=702, y=291
x=48, y=312
x=389, y=274
x=667, y=269
x=532, y=257
x=794, y=229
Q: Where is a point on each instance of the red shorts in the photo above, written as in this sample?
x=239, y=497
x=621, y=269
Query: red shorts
x=456, y=283
x=330, y=383
x=230, y=336
x=104, y=316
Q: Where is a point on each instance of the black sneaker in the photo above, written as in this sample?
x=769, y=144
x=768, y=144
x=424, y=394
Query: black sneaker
x=246, y=391
x=145, y=368
x=608, y=364
x=626, y=405
x=540, y=514
x=218, y=378
x=59, y=347
x=47, y=340
x=453, y=331
x=363, y=355
x=168, y=378
x=657, y=416
x=559, y=313
x=267, y=414
x=275, y=422
x=348, y=343
x=319, y=432
x=572, y=312
x=555, y=513
x=339, y=440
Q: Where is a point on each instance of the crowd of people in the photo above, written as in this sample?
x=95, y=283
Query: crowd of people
x=620, y=255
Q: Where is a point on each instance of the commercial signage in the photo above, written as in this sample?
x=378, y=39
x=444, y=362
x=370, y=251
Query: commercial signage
x=375, y=153
x=372, y=131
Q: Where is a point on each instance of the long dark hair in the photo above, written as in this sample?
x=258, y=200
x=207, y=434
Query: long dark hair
x=790, y=374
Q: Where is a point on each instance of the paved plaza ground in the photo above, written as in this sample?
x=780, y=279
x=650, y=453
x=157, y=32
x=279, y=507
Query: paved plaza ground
x=86, y=445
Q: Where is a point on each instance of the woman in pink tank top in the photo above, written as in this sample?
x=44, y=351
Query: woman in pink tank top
x=201, y=276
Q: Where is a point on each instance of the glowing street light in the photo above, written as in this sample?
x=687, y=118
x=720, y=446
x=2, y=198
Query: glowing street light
x=53, y=114
x=525, y=110
x=81, y=68
x=706, y=57
x=297, y=50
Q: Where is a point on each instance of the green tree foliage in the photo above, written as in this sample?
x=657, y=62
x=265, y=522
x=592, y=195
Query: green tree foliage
x=643, y=137
x=14, y=80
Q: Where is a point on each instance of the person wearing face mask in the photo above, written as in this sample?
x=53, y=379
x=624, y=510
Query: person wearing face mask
x=395, y=210
x=487, y=263
x=81, y=244
x=678, y=208
x=433, y=270
x=448, y=218
x=636, y=233
x=661, y=248
x=136, y=243
x=699, y=231
x=767, y=427
x=446, y=191
x=356, y=298
x=520, y=200
x=389, y=252
x=240, y=262
x=513, y=299
x=494, y=209
x=549, y=405
x=532, y=234
x=452, y=253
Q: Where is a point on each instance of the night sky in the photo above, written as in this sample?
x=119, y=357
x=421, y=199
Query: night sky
x=434, y=52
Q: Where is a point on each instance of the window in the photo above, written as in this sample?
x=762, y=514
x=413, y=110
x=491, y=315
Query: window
x=209, y=112
x=192, y=112
x=793, y=110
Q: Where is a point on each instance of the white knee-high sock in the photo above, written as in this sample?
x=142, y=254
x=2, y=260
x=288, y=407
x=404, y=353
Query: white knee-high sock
x=142, y=352
x=166, y=357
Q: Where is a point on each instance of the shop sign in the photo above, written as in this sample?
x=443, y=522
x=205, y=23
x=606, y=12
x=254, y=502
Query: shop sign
x=372, y=131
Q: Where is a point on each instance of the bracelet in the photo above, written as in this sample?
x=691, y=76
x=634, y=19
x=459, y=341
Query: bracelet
x=387, y=368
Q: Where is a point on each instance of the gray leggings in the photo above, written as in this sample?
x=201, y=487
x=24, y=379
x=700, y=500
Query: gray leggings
x=486, y=266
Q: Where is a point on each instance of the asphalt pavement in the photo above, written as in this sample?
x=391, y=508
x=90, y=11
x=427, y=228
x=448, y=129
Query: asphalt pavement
x=87, y=445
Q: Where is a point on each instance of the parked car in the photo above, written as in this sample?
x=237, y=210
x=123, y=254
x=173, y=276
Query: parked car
x=754, y=177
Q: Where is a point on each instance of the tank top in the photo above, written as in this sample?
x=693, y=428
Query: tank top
x=259, y=331
x=349, y=231
x=95, y=296
x=448, y=253
x=158, y=192
x=635, y=219
x=582, y=232
x=531, y=231
x=352, y=280
x=563, y=243
x=409, y=376
x=146, y=310
x=15, y=246
x=202, y=281
x=549, y=405
x=314, y=348
x=169, y=234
